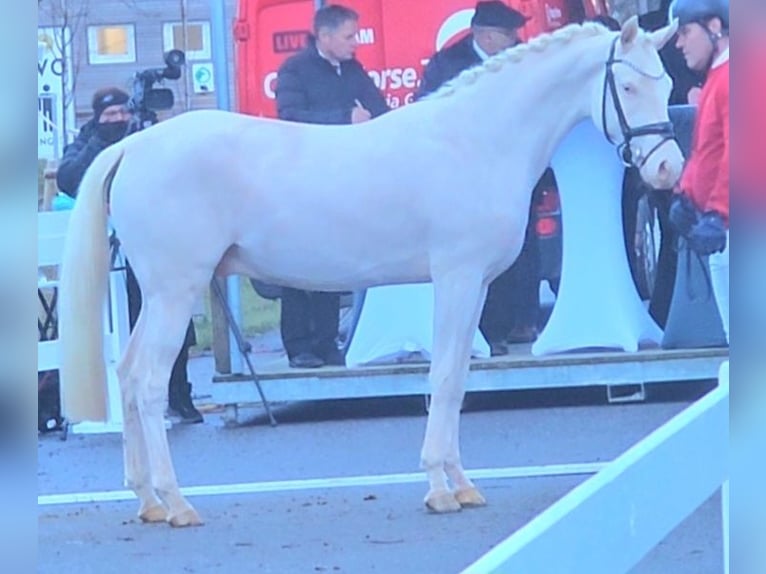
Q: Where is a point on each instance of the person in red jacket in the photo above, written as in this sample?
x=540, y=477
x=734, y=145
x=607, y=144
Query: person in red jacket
x=701, y=209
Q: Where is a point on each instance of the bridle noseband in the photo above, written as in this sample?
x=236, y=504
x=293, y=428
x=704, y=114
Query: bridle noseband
x=624, y=150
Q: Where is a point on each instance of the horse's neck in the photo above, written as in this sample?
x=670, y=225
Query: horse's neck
x=548, y=92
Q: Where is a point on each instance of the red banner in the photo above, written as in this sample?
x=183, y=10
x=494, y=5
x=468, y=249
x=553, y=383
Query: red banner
x=396, y=38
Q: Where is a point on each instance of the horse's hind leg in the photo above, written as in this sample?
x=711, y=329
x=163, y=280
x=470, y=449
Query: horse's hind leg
x=458, y=298
x=166, y=318
x=136, y=460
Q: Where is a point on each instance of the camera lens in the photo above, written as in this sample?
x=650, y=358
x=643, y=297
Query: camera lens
x=175, y=58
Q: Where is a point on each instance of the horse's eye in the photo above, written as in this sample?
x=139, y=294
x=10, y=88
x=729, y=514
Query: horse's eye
x=629, y=88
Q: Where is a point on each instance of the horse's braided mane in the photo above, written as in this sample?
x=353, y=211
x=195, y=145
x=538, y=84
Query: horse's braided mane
x=516, y=54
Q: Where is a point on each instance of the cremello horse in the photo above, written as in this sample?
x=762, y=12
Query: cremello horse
x=436, y=191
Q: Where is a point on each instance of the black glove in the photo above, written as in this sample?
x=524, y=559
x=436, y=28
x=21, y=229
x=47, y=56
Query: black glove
x=683, y=215
x=708, y=235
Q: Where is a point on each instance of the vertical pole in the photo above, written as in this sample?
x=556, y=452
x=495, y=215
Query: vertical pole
x=723, y=379
x=725, y=517
x=221, y=47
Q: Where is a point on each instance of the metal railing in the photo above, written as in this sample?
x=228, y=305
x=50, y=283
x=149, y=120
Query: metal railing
x=611, y=521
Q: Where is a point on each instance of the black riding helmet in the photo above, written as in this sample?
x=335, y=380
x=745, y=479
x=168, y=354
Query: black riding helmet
x=700, y=11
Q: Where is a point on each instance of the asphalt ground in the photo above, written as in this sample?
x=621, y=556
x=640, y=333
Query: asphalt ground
x=283, y=523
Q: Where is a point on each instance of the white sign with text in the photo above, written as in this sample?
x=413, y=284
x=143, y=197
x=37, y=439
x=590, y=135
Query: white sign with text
x=52, y=70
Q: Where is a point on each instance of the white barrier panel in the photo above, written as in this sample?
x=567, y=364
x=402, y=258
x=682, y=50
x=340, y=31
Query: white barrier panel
x=51, y=232
x=597, y=304
x=609, y=522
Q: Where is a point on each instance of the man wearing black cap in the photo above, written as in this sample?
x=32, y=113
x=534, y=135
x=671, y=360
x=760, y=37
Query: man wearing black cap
x=494, y=27
x=108, y=126
x=511, y=310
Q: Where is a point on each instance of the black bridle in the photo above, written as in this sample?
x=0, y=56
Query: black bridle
x=663, y=129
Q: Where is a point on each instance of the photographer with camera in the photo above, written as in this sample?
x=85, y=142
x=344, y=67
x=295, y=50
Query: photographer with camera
x=115, y=115
x=109, y=125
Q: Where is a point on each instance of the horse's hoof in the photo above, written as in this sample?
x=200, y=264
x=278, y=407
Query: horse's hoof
x=442, y=502
x=157, y=513
x=470, y=497
x=186, y=518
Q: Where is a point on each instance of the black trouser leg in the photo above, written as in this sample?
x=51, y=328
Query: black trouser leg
x=496, y=321
x=295, y=321
x=325, y=313
x=513, y=298
x=134, y=296
x=179, y=375
x=524, y=298
x=667, y=260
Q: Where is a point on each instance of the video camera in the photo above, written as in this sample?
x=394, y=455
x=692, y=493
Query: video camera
x=146, y=99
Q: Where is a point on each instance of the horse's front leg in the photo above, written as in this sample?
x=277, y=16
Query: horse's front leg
x=458, y=299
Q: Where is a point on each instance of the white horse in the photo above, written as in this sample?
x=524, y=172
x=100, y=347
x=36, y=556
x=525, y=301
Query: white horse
x=436, y=191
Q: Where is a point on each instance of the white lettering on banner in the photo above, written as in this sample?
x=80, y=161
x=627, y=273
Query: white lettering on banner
x=269, y=85
x=395, y=78
x=385, y=80
x=366, y=36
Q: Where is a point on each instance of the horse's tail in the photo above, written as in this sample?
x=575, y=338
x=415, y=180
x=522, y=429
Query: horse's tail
x=83, y=287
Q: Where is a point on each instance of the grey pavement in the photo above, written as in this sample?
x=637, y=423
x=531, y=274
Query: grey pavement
x=355, y=529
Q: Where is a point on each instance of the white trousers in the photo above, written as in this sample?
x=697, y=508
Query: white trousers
x=719, y=276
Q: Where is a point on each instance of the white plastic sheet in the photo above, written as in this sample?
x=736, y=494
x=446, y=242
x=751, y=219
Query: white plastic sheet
x=396, y=324
x=598, y=305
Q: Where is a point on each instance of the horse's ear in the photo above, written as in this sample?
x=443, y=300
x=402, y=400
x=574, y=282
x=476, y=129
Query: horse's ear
x=629, y=32
x=661, y=36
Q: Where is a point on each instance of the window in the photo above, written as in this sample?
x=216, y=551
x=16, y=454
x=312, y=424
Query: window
x=197, y=39
x=111, y=44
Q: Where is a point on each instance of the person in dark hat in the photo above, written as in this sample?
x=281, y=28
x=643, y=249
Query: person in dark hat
x=494, y=27
x=511, y=310
x=111, y=117
x=108, y=125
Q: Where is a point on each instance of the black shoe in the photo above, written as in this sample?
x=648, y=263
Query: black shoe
x=306, y=361
x=335, y=358
x=181, y=405
x=498, y=348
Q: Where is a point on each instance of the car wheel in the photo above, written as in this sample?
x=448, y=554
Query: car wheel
x=646, y=247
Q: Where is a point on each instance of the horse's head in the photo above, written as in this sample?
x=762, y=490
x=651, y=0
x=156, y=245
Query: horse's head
x=631, y=104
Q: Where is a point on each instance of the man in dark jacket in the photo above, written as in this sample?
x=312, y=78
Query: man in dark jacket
x=494, y=27
x=108, y=126
x=510, y=313
x=323, y=84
